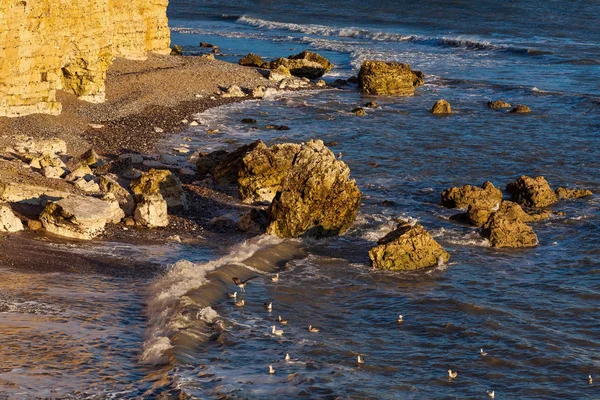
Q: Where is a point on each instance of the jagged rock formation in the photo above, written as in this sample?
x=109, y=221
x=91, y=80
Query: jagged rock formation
x=532, y=192
x=48, y=45
x=408, y=247
x=462, y=197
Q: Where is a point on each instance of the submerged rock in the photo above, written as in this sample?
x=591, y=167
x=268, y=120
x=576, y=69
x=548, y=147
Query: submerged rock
x=359, y=111
x=163, y=182
x=462, y=197
x=151, y=210
x=389, y=78
x=8, y=220
x=316, y=198
x=77, y=217
x=564, y=193
x=532, y=192
x=441, y=107
x=498, y=104
x=409, y=247
x=521, y=109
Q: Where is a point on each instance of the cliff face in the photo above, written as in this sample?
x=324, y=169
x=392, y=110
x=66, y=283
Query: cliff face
x=46, y=45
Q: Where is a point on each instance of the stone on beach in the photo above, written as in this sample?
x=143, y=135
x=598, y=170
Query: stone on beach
x=233, y=91
x=151, y=211
x=227, y=170
x=408, y=247
x=441, y=107
x=251, y=60
x=462, y=197
x=316, y=198
x=163, y=182
x=13, y=192
x=8, y=220
x=303, y=67
x=389, y=78
x=109, y=184
x=532, y=192
x=77, y=217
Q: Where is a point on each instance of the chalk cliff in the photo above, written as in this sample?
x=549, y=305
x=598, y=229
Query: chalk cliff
x=48, y=45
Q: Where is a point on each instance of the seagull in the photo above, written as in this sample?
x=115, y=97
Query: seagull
x=232, y=295
x=491, y=394
x=451, y=374
x=277, y=332
x=360, y=360
x=590, y=380
x=240, y=283
x=287, y=357
x=271, y=370
x=282, y=321
x=275, y=278
x=482, y=353
x=400, y=319
x=313, y=329
x=240, y=303
x=269, y=306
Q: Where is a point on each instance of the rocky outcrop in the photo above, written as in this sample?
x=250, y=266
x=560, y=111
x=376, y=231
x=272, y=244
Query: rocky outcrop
x=564, y=193
x=496, y=104
x=163, y=182
x=314, y=57
x=532, y=192
x=301, y=68
x=389, y=78
x=441, y=107
x=251, y=60
x=227, y=171
x=48, y=45
x=316, y=198
x=262, y=170
x=409, y=247
x=8, y=221
x=462, y=197
x=77, y=217
x=151, y=211
x=13, y=192
x=505, y=228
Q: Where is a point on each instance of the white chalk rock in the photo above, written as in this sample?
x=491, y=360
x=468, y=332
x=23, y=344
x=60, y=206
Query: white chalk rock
x=151, y=211
x=8, y=220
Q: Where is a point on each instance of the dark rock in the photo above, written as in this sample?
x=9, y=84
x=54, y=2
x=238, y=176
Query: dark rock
x=226, y=172
x=359, y=111
x=388, y=78
x=409, y=247
x=248, y=121
x=313, y=57
x=204, y=44
x=207, y=163
x=371, y=104
x=176, y=50
x=254, y=221
x=521, y=109
x=331, y=144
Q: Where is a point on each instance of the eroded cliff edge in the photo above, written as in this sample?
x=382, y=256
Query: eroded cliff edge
x=49, y=45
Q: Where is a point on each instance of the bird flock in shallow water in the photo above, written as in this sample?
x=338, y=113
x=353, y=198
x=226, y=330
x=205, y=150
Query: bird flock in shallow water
x=360, y=360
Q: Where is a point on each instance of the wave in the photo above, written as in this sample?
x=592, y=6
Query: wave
x=379, y=36
x=180, y=301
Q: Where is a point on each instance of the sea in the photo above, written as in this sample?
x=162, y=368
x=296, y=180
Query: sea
x=534, y=311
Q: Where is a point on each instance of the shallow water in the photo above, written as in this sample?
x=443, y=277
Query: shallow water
x=535, y=311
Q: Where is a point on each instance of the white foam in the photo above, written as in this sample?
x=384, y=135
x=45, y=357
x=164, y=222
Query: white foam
x=169, y=292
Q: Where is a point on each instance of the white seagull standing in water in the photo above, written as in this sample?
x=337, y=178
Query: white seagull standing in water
x=271, y=370
x=277, y=332
x=269, y=306
x=451, y=374
x=275, y=278
x=232, y=295
x=590, y=380
x=491, y=394
x=482, y=353
x=313, y=329
x=360, y=360
x=282, y=321
x=287, y=357
x=400, y=319
x=240, y=303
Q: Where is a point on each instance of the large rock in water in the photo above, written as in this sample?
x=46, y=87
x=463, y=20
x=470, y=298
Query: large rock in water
x=407, y=248
x=163, y=182
x=463, y=197
x=302, y=68
x=316, y=198
x=564, y=193
x=441, y=107
x=263, y=169
x=8, y=221
x=532, y=192
x=77, y=217
x=504, y=231
x=314, y=57
x=391, y=78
